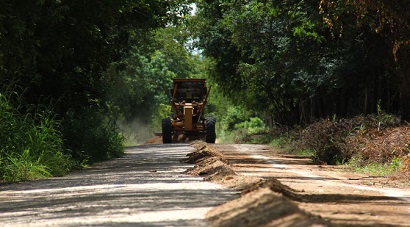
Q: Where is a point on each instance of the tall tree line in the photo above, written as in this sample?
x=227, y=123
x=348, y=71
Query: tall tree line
x=69, y=54
x=299, y=60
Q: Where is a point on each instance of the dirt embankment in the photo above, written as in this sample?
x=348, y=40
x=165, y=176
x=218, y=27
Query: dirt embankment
x=264, y=202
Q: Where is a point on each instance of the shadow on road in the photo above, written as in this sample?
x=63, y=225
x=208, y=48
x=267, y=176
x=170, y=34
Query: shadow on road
x=147, y=186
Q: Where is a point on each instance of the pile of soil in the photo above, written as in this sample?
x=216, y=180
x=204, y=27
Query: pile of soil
x=263, y=201
x=261, y=207
x=154, y=140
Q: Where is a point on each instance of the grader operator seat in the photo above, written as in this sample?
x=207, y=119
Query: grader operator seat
x=189, y=91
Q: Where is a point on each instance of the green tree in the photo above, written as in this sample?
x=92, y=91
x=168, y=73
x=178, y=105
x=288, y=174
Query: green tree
x=142, y=89
x=58, y=52
x=261, y=48
x=386, y=25
x=287, y=59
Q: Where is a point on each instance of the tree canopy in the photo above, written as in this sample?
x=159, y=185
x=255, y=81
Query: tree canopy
x=66, y=56
x=80, y=67
x=301, y=60
x=61, y=49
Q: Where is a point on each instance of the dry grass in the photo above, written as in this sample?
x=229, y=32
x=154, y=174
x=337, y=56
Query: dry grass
x=380, y=139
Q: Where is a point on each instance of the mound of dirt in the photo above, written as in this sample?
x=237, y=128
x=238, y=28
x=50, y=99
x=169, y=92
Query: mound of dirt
x=263, y=201
x=200, y=153
x=274, y=185
x=154, y=140
x=262, y=207
x=207, y=162
x=211, y=166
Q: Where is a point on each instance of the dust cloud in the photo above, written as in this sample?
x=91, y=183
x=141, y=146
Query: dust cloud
x=136, y=131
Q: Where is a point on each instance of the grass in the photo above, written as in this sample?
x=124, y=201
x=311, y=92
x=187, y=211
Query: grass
x=34, y=144
x=286, y=143
x=31, y=145
x=365, y=144
x=375, y=168
x=305, y=152
x=281, y=142
x=23, y=167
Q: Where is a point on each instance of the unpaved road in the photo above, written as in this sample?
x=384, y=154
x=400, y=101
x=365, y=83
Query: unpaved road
x=147, y=187
x=335, y=195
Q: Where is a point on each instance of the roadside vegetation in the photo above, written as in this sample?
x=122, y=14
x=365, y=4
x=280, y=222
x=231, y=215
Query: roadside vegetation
x=327, y=79
x=377, y=145
x=31, y=144
x=73, y=72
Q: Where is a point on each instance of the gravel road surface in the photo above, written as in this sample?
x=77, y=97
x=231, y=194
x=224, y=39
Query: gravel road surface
x=147, y=187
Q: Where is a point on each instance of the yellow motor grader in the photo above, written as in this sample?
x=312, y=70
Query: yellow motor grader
x=189, y=97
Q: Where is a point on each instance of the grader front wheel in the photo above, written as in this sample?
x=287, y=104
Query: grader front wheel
x=210, y=130
x=166, y=130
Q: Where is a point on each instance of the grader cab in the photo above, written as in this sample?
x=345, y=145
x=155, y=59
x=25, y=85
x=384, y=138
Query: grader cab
x=189, y=97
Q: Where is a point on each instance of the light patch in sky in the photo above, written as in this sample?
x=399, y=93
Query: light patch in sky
x=193, y=9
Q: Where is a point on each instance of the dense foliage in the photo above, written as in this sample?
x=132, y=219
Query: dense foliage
x=303, y=60
x=372, y=139
x=295, y=62
x=31, y=144
x=70, y=56
x=141, y=90
x=71, y=71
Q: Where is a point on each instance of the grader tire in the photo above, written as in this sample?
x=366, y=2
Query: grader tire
x=210, y=130
x=166, y=130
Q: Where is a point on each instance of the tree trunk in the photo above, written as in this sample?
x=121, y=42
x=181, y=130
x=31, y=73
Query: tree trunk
x=403, y=62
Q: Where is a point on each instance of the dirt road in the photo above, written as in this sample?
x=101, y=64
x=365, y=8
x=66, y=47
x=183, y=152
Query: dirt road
x=150, y=187
x=331, y=193
x=147, y=187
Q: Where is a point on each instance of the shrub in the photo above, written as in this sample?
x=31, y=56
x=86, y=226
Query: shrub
x=326, y=139
x=380, y=146
x=252, y=126
x=234, y=115
x=92, y=136
x=375, y=138
x=30, y=144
